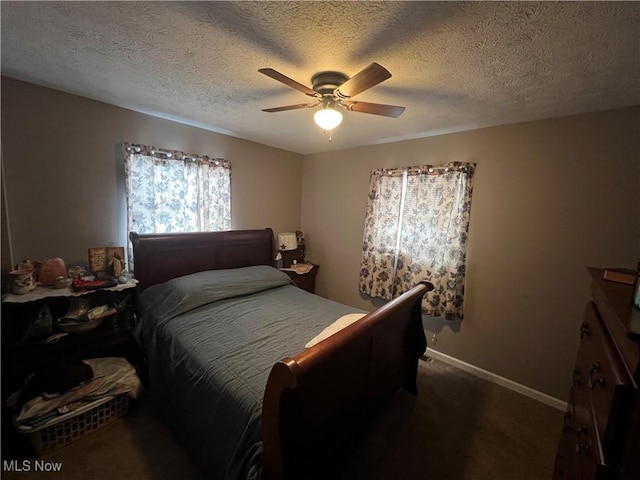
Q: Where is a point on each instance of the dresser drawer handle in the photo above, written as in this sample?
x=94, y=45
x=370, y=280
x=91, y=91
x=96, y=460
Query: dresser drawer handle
x=585, y=331
x=576, y=376
x=595, y=381
x=581, y=448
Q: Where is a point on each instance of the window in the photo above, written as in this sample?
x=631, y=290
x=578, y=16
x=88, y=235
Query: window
x=416, y=229
x=168, y=191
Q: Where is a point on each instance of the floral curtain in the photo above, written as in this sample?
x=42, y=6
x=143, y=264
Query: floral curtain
x=416, y=228
x=169, y=191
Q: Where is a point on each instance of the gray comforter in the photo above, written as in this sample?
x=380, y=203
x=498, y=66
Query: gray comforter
x=211, y=339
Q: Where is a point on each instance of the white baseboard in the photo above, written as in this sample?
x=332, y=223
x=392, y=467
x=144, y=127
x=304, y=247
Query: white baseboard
x=497, y=379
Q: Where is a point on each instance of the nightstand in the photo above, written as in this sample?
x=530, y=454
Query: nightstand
x=305, y=281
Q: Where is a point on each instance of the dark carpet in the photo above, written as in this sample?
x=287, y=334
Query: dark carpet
x=459, y=427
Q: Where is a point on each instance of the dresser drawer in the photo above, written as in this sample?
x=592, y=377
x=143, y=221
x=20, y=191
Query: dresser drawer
x=589, y=459
x=566, y=465
x=307, y=283
x=579, y=455
x=604, y=377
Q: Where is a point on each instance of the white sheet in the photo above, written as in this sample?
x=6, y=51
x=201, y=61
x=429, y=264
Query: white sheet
x=335, y=327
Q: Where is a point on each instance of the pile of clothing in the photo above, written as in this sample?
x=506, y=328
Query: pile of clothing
x=65, y=386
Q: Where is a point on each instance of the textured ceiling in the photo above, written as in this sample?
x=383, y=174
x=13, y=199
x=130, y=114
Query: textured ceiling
x=456, y=65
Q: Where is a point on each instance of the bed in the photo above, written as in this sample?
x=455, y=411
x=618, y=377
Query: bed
x=224, y=334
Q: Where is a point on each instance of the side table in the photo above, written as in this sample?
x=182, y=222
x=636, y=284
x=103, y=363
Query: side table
x=305, y=281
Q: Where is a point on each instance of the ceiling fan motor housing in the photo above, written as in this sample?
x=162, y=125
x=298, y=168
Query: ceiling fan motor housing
x=326, y=82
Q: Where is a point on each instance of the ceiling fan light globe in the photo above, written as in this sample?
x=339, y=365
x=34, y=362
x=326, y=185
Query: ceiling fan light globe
x=327, y=118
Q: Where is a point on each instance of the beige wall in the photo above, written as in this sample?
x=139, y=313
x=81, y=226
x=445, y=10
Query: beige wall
x=550, y=197
x=65, y=192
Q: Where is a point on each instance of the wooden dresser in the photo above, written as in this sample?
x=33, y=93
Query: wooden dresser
x=601, y=432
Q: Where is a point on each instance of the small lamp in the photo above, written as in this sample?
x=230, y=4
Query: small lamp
x=287, y=241
x=288, y=246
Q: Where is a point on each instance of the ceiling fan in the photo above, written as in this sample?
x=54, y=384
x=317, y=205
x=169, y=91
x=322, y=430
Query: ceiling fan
x=334, y=90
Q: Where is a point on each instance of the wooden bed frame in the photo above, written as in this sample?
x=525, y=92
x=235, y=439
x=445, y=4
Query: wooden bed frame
x=318, y=398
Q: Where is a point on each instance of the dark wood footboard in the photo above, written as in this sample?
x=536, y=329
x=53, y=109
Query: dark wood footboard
x=316, y=399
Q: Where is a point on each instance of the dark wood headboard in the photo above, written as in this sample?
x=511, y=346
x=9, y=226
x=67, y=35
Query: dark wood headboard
x=159, y=257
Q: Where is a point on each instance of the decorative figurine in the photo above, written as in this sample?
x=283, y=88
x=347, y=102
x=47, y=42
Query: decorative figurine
x=117, y=265
x=77, y=272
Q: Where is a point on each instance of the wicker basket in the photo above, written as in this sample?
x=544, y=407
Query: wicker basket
x=69, y=427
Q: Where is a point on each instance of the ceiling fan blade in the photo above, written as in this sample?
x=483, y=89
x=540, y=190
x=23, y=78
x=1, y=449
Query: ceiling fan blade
x=290, y=107
x=375, y=109
x=363, y=80
x=270, y=72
